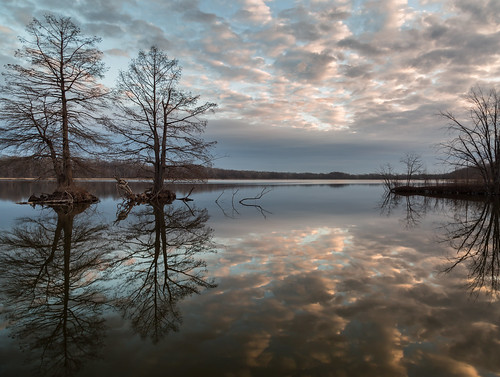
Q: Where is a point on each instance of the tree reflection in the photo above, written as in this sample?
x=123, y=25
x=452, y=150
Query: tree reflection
x=475, y=235
x=160, y=266
x=414, y=207
x=50, y=268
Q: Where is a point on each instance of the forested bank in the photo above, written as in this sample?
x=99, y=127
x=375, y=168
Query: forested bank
x=14, y=167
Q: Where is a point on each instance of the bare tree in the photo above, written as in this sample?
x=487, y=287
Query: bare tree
x=476, y=141
x=389, y=176
x=413, y=165
x=50, y=104
x=160, y=124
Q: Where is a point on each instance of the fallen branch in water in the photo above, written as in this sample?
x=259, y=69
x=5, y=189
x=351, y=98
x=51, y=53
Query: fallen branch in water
x=242, y=202
x=262, y=211
x=187, y=198
x=264, y=191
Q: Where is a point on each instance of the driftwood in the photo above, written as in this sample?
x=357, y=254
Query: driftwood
x=123, y=187
x=147, y=197
x=187, y=198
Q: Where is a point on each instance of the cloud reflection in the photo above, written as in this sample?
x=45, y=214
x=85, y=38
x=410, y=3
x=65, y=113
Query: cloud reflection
x=314, y=289
x=343, y=301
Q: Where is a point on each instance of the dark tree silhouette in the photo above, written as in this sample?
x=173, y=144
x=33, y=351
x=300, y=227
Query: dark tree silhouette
x=50, y=104
x=160, y=124
x=476, y=141
x=160, y=264
x=51, y=269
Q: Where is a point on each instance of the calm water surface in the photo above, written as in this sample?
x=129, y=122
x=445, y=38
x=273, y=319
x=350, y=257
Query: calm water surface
x=309, y=280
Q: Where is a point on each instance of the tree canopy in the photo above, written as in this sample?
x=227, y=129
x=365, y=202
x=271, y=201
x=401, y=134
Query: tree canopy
x=51, y=103
x=160, y=124
x=476, y=138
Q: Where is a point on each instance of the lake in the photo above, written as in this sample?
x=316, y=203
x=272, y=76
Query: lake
x=250, y=279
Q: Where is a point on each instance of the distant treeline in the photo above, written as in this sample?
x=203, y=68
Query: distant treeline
x=215, y=173
x=16, y=167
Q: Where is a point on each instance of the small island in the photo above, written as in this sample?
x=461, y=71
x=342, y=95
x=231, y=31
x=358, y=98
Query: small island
x=473, y=152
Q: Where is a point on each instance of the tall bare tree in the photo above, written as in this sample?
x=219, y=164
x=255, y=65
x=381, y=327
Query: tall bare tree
x=50, y=104
x=476, y=140
x=160, y=124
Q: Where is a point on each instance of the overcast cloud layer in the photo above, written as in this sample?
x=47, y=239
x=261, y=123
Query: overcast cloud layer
x=315, y=85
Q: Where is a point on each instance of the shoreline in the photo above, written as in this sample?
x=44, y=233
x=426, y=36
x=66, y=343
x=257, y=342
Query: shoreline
x=445, y=190
x=208, y=180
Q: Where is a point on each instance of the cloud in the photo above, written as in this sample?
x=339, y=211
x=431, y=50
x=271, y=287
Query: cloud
x=375, y=306
x=254, y=11
x=304, y=65
x=199, y=16
x=380, y=69
x=244, y=145
x=104, y=29
x=117, y=52
x=363, y=48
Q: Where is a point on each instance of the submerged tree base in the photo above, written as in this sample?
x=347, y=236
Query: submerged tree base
x=164, y=196
x=71, y=195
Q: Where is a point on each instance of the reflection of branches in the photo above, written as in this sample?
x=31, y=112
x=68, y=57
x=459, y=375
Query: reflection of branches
x=233, y=207
x=51, y=266
x=232, y=201
x=160, y=267
x=415, y=210
x=475, y=234
x=389, y=203
x=415, y=207
x=222, y=209
x=123, y=210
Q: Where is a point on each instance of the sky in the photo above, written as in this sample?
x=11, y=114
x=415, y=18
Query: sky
x=302, y=86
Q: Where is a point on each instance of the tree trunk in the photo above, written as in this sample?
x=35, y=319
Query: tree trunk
x=66, y=179
x=163, y=155
x=158, y=180
x=158, y=176
x=496, y=183
x=67, y=171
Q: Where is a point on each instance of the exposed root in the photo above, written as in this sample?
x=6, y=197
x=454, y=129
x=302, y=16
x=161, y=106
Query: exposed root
x=164, y=196
x=70, y=196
